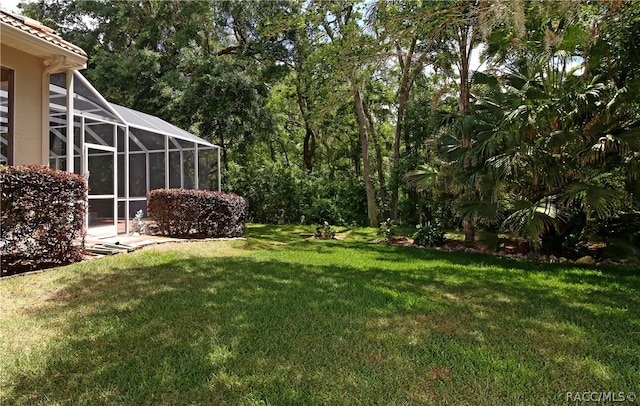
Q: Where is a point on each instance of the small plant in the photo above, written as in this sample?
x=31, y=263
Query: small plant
x=324, y=231
x=387, y=228
x=429, y=235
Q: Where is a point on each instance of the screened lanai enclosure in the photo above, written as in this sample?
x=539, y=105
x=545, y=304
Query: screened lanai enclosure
x=124, y=152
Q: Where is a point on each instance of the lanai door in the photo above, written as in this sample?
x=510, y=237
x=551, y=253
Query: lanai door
x=100, y=163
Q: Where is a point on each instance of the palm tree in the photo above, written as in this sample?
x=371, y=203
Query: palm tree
x=545, y=141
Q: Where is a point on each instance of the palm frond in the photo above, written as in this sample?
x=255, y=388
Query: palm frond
x=594, y=199
x=532, y=219
x=551, y=171
x=484, y=209
x=487, y=240
x=631, y=138
x=423, y=177
x=482, y=78
x=633, y=172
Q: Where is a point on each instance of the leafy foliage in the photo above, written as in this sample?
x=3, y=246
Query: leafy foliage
x=224, y=103
x=387, y=230
x=197, y=213
x=275, y=192
x=324, y=231
x=42, y=212
x=289, y=194
x=546, y=141
x=429, y=235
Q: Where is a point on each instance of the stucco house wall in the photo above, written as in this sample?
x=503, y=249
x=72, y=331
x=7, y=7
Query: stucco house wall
x=28, y=77
x=33, y=51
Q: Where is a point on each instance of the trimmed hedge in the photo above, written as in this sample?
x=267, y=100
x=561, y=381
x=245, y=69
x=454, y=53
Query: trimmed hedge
x=42, y=218
x=197, y=213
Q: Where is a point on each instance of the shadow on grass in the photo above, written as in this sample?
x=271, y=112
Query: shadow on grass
x=301, y=326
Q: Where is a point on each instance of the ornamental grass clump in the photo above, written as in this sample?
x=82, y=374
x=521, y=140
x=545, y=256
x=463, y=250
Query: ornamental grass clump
x=197, y=213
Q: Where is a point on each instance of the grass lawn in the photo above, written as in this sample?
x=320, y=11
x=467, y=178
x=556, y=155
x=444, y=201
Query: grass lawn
x=278, y=319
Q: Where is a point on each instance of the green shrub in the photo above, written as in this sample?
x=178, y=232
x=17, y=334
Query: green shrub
x=281, y=194
x=325, y=231
x=429, y=235
x=42, y=214
x=323, y=209
x=197, y=213
x=624, y=225
x=387, y=229
x=276, y=193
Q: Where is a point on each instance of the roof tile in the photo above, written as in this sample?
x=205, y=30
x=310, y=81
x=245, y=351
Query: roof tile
x=39, y=30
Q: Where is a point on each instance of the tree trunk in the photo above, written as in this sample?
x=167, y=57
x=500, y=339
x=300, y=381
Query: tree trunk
x=354, y=153
x=403, y=97
x=379, y=167
x=372, y=209
x=309, y=147
x=380, y=170
x=225, y=162
x=465, y=46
